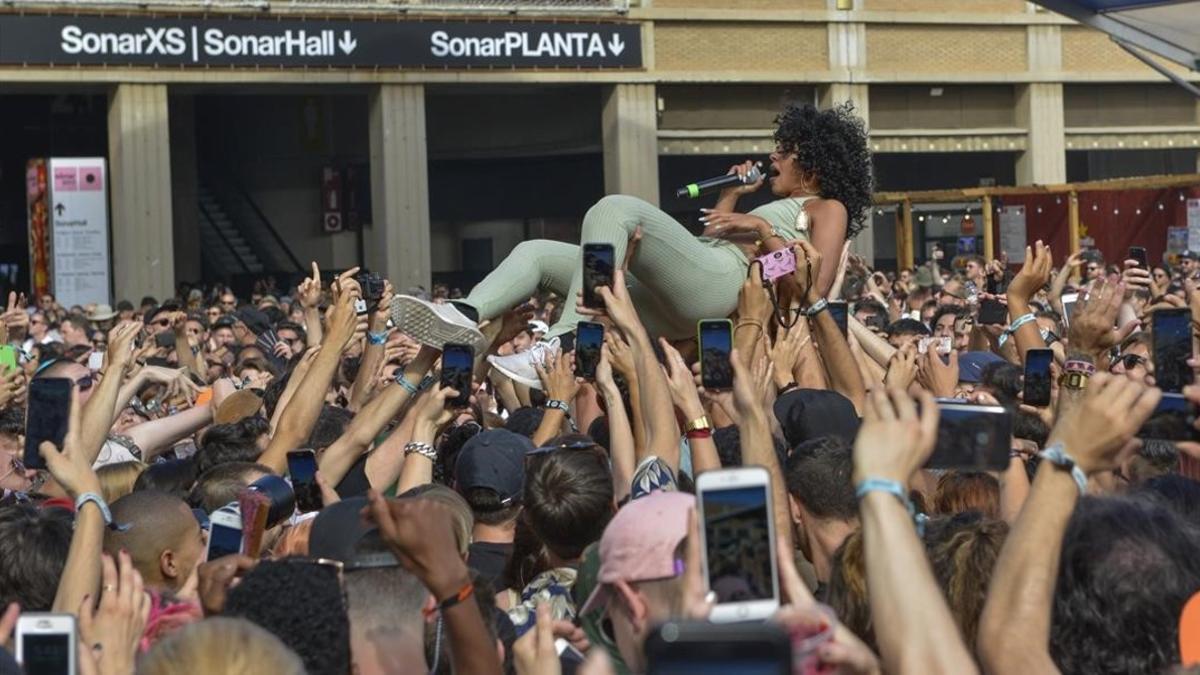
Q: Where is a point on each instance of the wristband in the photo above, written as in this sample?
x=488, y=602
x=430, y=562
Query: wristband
x=559, y=405
x=788, y=387
x=1012, y=328
x=1078, y=366
x=1057, y=455
x=695, y=434
x=423, y=449
x=427, y=382
x=462, y=594
x=816, y=308
x=894, y=488
x=405, y=384
x=105, y=513
x=379, y=338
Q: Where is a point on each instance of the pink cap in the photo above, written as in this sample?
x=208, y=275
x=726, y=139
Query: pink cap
x=640, y=541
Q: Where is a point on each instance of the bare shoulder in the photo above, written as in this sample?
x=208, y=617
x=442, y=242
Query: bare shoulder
x=825, y=208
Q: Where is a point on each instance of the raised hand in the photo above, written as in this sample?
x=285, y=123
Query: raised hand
x=895, y=438
x=1034, y=274
x=558, y=378
x=939, y=377
x=420, y=532
x=680, y=381
x=309, y=291
x=1091, y=329
x=902, y=368
x=808, y=270
x=1096, y=431
x=114, y=629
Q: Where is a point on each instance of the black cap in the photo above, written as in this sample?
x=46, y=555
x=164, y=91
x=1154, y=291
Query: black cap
x=337, y=529
x=493, y=459
x=1190, y=255
x=806, y=414
x=256, y=321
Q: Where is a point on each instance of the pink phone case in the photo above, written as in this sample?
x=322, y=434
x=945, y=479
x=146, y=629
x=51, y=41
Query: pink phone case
x=777, y=264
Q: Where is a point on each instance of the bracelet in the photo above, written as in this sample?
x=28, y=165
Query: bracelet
x=559, y=405
x=1079, y=366
x=788, y=387
x=462, y=594
x=701, y=423
x=105, y=512
x=1017, y=323
x=1057, y=455
x=749, y=324
x=405, y=384
x=379, y=338
x=816, y=308
x=695, y=434
x=423, y=449
x=426, y=382
x=868, y=485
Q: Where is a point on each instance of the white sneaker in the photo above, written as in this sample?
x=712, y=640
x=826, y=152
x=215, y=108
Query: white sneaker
x=435, y=325
x=522, y=367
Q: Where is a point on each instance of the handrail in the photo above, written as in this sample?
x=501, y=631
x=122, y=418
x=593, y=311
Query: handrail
x=262, y=218
x=209, y=218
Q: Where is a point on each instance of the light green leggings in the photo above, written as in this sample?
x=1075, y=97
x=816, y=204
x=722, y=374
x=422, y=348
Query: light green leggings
x=675, y=279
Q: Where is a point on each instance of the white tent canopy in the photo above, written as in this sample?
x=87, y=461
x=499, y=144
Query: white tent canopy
x=1167, y=28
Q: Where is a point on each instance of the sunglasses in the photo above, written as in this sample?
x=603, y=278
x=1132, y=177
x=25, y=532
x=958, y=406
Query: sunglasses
x=84, y=383
x=17, y=467
x=163, y=322
x=1131, y=361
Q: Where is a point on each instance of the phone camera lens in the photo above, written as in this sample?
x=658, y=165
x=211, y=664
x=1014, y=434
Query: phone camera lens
x=982, y=437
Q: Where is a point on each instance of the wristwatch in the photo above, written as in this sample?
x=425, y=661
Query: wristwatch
x=1074, y=379
x=816, y=307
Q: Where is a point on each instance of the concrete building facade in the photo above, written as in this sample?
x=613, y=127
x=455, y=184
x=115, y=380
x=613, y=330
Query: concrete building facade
x=449, y=168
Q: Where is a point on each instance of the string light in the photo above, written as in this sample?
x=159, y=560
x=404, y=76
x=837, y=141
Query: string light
x=921, y=219
x=1116, y=212
x=1095, y=207
x=1138, y=212
x=1160, y=206
x=945, y=219
x=1039, y=209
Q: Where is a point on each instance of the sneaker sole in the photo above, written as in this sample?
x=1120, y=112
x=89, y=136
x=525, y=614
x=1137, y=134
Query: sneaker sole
x=532, y=384
x=425, y=326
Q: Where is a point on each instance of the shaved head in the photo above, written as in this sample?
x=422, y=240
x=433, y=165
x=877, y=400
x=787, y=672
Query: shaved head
x=163, y=538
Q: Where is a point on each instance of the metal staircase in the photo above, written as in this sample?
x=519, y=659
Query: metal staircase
x=225, y=252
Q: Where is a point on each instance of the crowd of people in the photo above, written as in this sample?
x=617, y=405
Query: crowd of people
x=549, y=525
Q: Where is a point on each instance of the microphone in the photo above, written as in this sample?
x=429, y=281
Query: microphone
x=710, y=185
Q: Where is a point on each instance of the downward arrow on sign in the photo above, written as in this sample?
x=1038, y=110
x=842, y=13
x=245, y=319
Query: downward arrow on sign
x=616, y=45
x=347, y=43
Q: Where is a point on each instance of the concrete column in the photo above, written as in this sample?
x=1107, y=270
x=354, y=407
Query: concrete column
x=397, y=243
x=139, y=143
x=630, y=133
x=1040, y=110
x=848, y=59
x=185, y=188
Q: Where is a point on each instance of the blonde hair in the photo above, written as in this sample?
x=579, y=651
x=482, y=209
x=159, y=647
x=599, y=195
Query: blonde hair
x=221, y=646
x=116, y=480
x=464, y=520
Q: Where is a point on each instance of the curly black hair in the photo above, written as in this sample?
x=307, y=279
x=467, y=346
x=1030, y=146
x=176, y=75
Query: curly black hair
x=832, y=143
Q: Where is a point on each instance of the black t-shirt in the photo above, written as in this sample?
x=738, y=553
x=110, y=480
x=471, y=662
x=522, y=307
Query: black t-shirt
x=488, y=560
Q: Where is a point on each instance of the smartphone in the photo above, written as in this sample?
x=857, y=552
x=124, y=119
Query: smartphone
x=360, y=307
x=568, y=655
x=225, y=532
x=941, y=344
x=589, y=339
x=95, y=361
x=838, y=309
x=972, y=437
x=46, y=643
x=716, y=344
x=1068, y=304
x=8, y=359
x=1171, y=330
x=686, y=648
x=993, y=312
x=46, y=420
x=372, y=288
x=1138, y=253
x=458, y=363
x=267, y=341
x=1037, y=377
x=777, y=264
x=302, y=469
x=254, y=507
x=738, y=539
x=598, y=266
x=165, y=339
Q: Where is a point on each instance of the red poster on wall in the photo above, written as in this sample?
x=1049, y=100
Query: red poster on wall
x=37, y=203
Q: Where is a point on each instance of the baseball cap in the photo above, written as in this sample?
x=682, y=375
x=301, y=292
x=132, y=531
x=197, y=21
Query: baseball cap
x=805, y=414
x=337, y=529
x=971, y=365
x=493, y=459
x=1190, y=255
x=640, y=543
x=923, y=278
x=256, y=321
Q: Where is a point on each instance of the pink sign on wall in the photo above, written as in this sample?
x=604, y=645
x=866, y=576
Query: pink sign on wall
x=91, y=178
x=66, y=178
